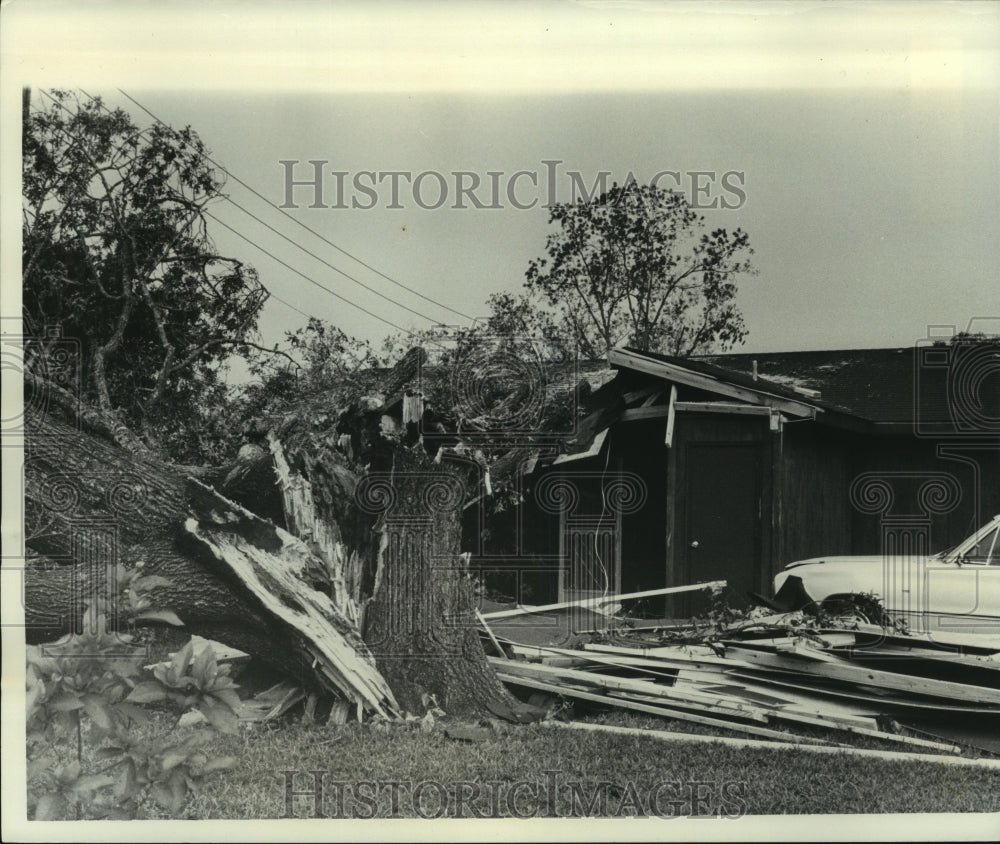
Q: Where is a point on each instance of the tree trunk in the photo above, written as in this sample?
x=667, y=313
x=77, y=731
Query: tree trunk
x=290, y=581
x=89, y=506
x=421, y=624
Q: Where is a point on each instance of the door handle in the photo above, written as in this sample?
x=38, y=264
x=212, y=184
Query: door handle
x=694, y=544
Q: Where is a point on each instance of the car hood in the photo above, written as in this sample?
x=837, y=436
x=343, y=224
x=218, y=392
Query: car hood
x=870, y=560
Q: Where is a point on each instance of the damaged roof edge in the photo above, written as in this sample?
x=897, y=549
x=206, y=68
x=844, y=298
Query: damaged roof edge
x=716, y=383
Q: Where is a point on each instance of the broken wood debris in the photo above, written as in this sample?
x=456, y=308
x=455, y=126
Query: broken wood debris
x=271, y=565
x=774, y=681
x=342, y=569
x=595, y=602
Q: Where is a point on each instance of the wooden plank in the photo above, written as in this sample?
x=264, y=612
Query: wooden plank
x=789, y=675
x=851, y=673
x=709, y=702
x=680, y=654
x=798, y=645
x=653, y=399
x=592, y=451
x=817, y=717
x=601, y=600
x=671, y=417
x=858, y=653
x=791, y=709
x=639, y=414
x=489, y=632
x=731, y=696
x=787, y=715
x=858, y=730
x=942, y=641
x=885, y=755
x=642, y=393
x=662, y=711
x=722, y=407
x=789, y=680
x=796, y=698
x=588, y=656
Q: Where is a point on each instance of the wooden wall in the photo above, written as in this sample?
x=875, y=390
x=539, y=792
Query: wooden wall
x=813, y=514
x=819, y=515
x=907, y=465
x=804, y=475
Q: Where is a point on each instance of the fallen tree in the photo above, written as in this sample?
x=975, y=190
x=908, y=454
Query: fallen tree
x=368, y=573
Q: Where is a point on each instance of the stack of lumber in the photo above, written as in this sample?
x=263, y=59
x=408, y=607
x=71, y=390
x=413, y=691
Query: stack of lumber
x=814, y=686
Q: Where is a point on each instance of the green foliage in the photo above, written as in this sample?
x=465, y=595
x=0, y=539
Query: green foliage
x=91, y=691
x=323, y=363
x=116, y=254
x=634, y=266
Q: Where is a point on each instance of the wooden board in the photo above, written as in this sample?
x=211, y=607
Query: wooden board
x=837, y=750
x=662, y=711
x=793, y=681
x=886, y=680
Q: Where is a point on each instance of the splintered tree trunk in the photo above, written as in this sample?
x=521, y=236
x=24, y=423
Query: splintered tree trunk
x=421, y=624
x=90, y=506
x=239, y=579
x=279, y=571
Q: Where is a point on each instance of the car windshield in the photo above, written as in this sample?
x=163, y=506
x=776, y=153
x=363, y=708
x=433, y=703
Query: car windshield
x=983, y=551
x=951, y=550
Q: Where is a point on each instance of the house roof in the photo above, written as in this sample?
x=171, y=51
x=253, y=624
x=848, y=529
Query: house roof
x=893, y=386
x=711, y=374
x=931, y=389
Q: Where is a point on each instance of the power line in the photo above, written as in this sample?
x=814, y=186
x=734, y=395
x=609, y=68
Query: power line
x=287, y=304
x=280, y=261
x=275, y=257
x=346, y=275
x=431, y=320
x=313, y=231
x=310, y=279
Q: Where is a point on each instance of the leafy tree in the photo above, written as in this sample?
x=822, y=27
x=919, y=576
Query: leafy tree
x=117, y=254
x=635, y=266
x=317, y=361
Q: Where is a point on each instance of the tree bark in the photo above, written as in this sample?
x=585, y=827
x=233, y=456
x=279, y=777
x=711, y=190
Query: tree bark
x=89, y=506
x=421, y=624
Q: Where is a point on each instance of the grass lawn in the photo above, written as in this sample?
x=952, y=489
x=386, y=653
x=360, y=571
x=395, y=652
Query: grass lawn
x=418, y=770
x=409, y=771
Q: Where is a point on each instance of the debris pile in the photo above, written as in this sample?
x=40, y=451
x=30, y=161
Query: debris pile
x=781, y=679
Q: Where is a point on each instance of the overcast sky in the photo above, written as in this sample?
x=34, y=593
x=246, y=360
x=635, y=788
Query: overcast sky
x=862, y=144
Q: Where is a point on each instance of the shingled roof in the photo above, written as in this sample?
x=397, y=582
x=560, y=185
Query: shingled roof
x=938, y=386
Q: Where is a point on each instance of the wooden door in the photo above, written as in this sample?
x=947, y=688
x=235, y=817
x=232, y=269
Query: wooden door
x=722, y=516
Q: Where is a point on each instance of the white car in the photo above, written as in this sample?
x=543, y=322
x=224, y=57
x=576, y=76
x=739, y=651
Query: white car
x=954, y=591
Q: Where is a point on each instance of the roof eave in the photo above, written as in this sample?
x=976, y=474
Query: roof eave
x=636, y=361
